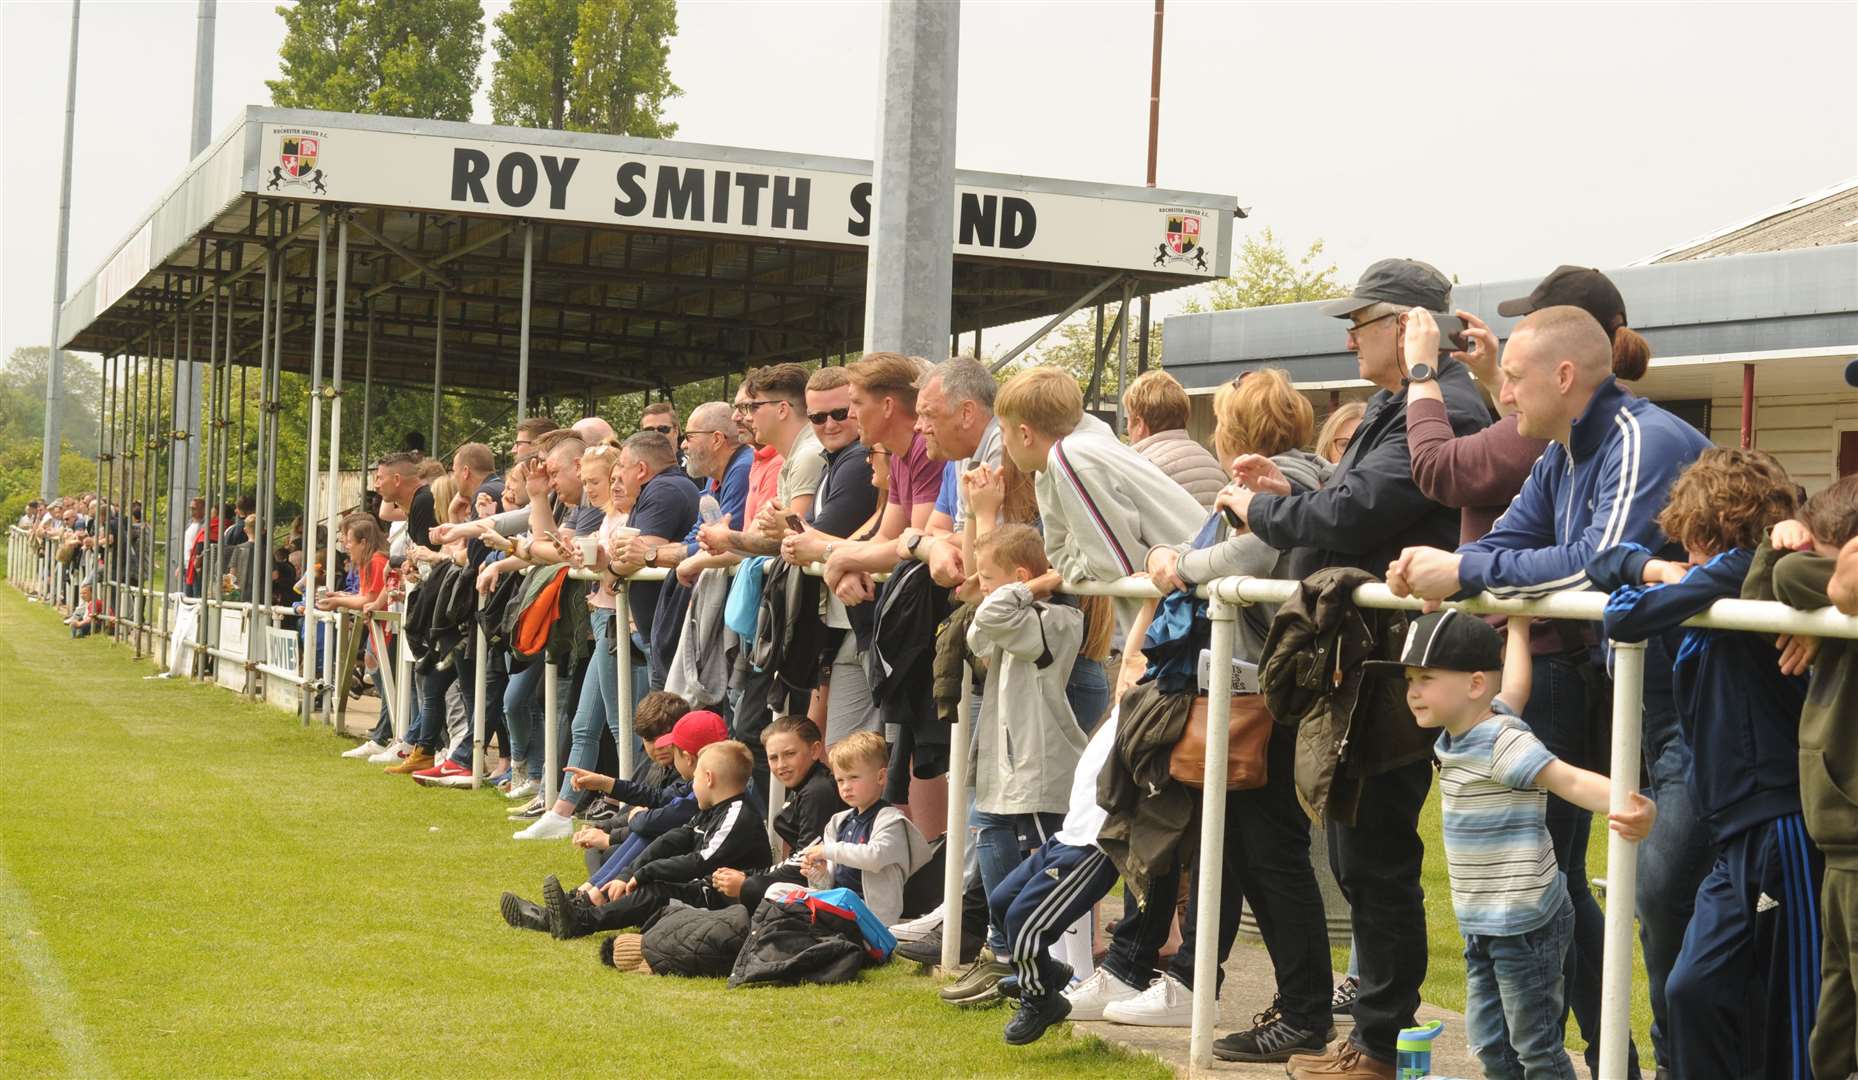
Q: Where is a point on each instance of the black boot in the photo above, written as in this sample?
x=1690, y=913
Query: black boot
x=524, y=915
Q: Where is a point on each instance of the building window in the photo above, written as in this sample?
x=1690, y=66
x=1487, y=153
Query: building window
x=1692, y=411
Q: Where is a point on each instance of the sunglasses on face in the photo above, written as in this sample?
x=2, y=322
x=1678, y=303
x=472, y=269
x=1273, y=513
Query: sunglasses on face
x=836, y=415
x=662, y=429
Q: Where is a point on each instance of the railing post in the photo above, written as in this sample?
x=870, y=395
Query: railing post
x=479, y=663
x=551, y=751
x=403, y=685
x=955, y=847
x=1212, y=840
x=1622, y=862
x=622, y=652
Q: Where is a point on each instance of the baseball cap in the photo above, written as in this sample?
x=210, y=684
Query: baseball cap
x=1407, y=282
x=694, y=731
x=1575, y=286
x=1448, y=640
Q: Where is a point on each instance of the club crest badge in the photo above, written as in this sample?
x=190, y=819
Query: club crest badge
x=297, y=162
x=1180, y=241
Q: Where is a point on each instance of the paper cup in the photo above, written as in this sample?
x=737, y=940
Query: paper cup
x=590, y=548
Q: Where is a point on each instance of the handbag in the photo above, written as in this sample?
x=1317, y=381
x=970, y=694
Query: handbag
x=1248, y=743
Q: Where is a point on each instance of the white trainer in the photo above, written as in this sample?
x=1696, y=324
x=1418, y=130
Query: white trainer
x=550, y=826
x=525, y=789
x=918, y=928
x=390, y=755
x=1089, y=998
x=365, y=750
x=1166, y=1003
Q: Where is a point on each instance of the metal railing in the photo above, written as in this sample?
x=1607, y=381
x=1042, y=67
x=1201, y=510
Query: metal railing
x=1226, y=596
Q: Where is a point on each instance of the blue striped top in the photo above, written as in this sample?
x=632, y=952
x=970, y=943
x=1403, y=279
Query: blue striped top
x=1504, y=879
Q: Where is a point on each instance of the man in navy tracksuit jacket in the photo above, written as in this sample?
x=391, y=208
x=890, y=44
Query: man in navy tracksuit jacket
x=1741, y=997
x=1602, y=481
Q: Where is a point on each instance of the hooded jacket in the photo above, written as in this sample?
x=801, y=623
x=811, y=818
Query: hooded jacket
x=1370, y=508
x=1828, y=738
x=694, y=942
x=895, y=851
x=1740, y=715
x=1246, y=555
x=1607, y=486
x=1186, y=462
x=1028, y=741
x=1351, y=722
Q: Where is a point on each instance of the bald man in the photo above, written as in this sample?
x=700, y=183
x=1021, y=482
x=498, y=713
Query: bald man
x=1610, y=462
x=593, y=430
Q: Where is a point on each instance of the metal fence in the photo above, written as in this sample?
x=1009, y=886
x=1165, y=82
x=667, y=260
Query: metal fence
x=34, y=568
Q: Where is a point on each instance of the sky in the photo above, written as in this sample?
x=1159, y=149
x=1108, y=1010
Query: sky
x=1496, y=140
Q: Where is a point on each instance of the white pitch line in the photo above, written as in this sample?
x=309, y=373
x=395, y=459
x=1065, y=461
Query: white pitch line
x=57, y=1004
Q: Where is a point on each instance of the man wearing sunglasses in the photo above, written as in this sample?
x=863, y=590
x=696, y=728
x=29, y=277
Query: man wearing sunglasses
x=776, y=399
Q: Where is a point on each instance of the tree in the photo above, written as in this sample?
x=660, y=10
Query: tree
x=22, y=427
x=585, y=65
x=1264, y=276
x=389, y=57
x=534, y=69
x=621, y=81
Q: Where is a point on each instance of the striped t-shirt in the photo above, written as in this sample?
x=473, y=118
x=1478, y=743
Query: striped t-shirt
x=1504, y=879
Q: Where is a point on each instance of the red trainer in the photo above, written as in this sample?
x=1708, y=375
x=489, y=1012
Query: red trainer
x=447, y=773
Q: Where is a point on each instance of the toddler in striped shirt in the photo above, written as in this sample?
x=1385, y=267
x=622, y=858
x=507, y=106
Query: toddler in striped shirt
x=1494, y=780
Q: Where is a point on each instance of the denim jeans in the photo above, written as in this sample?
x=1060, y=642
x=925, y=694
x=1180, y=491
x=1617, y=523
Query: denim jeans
x=496, y=682
x=431, y=732
x=996, y=846
x=1512, y=990
x=522, y=710
x=1676, y=857
x=1088, y=693
x=598, y=702
x=1565, y=714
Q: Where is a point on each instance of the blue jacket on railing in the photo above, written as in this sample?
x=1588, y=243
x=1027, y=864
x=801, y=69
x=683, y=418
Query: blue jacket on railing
x=1606, y=487
x=1740, y=715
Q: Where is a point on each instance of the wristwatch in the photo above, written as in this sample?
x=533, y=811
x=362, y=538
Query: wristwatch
x=913, y=543
x=1422, y=372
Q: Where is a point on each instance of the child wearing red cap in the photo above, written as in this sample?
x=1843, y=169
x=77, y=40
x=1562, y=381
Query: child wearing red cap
x=678, y=865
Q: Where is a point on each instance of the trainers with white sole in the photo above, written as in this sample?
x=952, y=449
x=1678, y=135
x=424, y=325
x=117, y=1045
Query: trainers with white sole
x=365, y=750
x=526, y=789
x=550, y=826
x=390, y=755
x=531, y=810
x=918, y=928
x=1166, y=1003
x=1090, y=997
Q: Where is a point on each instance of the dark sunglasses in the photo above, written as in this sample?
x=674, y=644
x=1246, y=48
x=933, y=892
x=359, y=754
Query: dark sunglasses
x=838, y=415
x=662, y=429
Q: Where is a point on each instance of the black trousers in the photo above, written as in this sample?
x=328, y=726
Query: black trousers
x=645, y=901
x=1377, y=862
x=1266, y=863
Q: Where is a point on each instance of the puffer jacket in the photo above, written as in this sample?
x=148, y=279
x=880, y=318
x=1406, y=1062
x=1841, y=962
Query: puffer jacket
x=1186, y=462
x=694, y=942
x=790, y=942
x=951, y=654
x=1351, y=724
x=1149, y=828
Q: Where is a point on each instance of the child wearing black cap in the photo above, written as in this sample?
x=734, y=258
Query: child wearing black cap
x=1511, y=903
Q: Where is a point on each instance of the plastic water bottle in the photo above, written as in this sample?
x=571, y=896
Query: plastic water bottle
x=709, y=511
x=1413, y=1059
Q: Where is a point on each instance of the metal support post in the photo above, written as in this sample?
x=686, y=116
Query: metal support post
x=551, y=749
x=438, y=369
x=1212, y=840
x=479, y=653
x=1622, y=861
x=522, y=341
x=955, y=846
x=333, y=485
x=622, y=647
x=311, y=627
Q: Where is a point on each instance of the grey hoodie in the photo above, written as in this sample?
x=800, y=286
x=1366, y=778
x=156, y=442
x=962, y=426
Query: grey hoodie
x=895, y=851
x=1246, y=555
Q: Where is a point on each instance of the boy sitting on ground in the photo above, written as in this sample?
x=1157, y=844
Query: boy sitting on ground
x=869, y=847
x=671, y=805
x=678, y=865
x=794, y=749
x=1512, y=906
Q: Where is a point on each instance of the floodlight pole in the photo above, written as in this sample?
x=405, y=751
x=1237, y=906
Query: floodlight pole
x=55, y=367
x=184, y=473
x=910, y=282
x=1154, y=140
